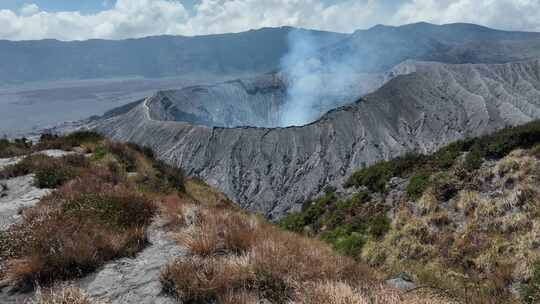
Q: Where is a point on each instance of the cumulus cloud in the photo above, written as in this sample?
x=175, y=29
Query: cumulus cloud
x=29, y=9
x=504, y=14
x=138, y=18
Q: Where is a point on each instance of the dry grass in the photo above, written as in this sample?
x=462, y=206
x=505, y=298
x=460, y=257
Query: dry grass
x=332, y=292
x=208, y=196
x=67, y=295
x=68, y=235
x=199, y=279
x=476, y=244
x=238, y=258
x=93, y=218
x=239, y=297
x=220, y=233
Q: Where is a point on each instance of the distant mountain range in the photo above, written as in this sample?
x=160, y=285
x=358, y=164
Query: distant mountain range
x=251, y=52
x=257, y=51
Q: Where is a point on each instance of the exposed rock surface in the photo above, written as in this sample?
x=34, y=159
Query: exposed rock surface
x=402, y=282
x=20, y=193
x=126, y=280
x=247, y=102
x=257, y=101
x=271, y=170
x=136, y=280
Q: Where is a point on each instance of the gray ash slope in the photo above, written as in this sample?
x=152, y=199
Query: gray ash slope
x=272, y=170
x=257, y=101
x=245, y=102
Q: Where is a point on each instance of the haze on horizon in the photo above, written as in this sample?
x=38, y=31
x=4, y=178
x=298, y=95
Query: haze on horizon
x=120, y=19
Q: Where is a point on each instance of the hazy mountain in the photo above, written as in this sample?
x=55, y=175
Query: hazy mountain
x=255, y=51
x=382, y=47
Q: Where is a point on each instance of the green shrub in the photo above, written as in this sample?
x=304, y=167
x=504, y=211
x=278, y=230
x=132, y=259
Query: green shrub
x=293, y=222
x=374, y=177
x=418, y=184
x=67, y=142
x=445, y=157
x=378, y=226
x=99, y=153
x=14, y=148
x=344, y=241
x=377, y=176
x=79, y=137
x=474, y=158
x=445, y=186
x=53, y=176
x=50, y=172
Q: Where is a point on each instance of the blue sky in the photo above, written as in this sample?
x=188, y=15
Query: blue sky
x=119, y=19
x=84, y=6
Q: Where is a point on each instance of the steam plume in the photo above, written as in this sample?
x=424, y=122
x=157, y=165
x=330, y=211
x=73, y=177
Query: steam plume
x=316, y=83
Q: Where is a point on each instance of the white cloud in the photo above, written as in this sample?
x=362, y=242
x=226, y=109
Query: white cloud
x=504, y=14
x=138, y=18
x=29, y=9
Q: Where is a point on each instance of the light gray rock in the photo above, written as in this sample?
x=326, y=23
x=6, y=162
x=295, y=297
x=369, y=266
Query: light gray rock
x=258, y=101
x=4, y=162
x=272, y=170
x=20, y=193
x=127, y=280
x=400, y=283
x=136, y=280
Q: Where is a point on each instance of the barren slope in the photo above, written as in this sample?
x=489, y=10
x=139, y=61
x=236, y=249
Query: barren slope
x=272, y=170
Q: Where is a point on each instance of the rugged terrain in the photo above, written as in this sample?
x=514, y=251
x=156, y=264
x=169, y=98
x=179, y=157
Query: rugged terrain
x=117, y=226
x=272, y=170
x=462, y=221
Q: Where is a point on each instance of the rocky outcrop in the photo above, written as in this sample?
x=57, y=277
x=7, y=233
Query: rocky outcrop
x=20, y=192
x=244, y=102
x=16, y=194
x=272, y=170
x=258, y=101
x=136, y=280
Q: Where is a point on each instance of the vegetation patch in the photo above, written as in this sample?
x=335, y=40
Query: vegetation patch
x=240, y=258
x=345, y=224
x=418, y=184
x=96, y=214
x=494, y=146
x=50, y=172
x=16, y=147
x=66, y=295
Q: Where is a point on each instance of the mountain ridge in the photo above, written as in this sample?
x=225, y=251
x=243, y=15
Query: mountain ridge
x=225, y=54
x=272, y=170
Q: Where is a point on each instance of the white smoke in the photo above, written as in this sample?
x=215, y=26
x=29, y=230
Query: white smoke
x=316, y=85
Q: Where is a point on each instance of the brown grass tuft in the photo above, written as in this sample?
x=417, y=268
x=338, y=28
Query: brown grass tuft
x=202, y=280
x=68, y=295
x=76, y=229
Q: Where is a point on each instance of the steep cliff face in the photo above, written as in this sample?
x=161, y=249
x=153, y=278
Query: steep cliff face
x=253, y=102
x=271, y=170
